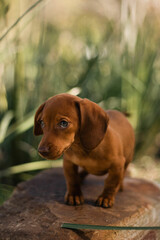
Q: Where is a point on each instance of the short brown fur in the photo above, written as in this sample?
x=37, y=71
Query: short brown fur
x=98, y=141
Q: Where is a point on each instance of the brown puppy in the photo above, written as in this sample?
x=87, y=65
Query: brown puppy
x=98, y=141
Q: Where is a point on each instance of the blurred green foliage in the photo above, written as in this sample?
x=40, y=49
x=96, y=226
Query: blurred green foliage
x=6, y=191
x=110, y=58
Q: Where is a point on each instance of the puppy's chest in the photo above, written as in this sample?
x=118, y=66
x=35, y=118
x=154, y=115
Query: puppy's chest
x=96, y=166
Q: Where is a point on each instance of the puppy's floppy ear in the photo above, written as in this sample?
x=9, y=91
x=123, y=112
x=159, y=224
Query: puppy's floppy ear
x=93, y=123
x=37, y=126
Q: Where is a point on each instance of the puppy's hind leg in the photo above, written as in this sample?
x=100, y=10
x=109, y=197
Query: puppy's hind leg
x=125, y=168
x=82, y=175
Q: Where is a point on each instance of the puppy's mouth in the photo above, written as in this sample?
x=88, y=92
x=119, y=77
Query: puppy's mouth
x=50, y=155
x=53, y=156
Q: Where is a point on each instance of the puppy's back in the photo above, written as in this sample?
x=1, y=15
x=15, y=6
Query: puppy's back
x=121, y=125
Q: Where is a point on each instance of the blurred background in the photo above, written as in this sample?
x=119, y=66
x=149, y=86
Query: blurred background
x=107, y=51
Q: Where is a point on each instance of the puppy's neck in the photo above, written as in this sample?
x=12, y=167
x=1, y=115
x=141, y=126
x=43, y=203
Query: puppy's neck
x=77, y=146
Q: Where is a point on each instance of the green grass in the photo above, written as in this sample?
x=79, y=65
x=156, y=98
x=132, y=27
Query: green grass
x=5, y=192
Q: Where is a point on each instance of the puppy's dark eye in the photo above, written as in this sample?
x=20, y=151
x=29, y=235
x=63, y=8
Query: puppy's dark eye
x=42, y=123
x=63, y=124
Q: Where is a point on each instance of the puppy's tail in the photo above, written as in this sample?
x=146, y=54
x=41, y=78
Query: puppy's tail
x=127, y=114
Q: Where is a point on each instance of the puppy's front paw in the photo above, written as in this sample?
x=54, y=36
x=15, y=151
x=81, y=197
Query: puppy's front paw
x=105, y=202
x=74, y=199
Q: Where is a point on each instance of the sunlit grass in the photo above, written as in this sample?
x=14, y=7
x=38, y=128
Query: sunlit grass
x=33, y=166
x=145, y=168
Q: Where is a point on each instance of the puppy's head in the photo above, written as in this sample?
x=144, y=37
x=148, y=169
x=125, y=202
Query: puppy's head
x=63, y=117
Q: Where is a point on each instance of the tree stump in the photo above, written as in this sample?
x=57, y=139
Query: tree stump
x=36, y=210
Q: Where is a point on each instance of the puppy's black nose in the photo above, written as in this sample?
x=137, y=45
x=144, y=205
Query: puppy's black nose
x=44, y=150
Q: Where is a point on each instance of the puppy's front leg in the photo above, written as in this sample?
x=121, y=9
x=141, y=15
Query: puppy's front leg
x=73, y=195
x=111, y=186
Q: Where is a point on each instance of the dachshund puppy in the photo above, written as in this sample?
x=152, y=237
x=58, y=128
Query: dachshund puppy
x=87, y=136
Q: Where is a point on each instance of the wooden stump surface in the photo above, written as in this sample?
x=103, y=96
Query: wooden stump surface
x=36, y=210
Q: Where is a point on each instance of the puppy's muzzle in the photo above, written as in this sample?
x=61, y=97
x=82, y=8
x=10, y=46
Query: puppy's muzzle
x=44, y=150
